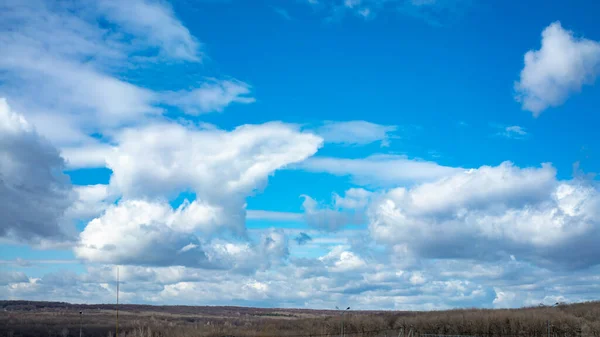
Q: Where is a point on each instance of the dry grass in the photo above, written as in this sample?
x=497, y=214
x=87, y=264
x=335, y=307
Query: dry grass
x=34, y=319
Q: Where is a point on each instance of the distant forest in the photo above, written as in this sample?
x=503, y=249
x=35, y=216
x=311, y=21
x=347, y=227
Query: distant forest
x=27, y=318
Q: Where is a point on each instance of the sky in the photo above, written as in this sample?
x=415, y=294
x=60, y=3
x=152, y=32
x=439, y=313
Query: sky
x=377, y=154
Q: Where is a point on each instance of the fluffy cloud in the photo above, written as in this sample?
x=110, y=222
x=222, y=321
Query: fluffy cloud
x=139, y=232
x=356, y=132
x=270, y=251
x=347, y=210
x=341, y=260
x=34, y=192
x=558, y=69
x=219, y=166
x=491, y=212
x=379, y=170
x=136, y=232
x=91, y=201
x=222, y=169
x=86, y=156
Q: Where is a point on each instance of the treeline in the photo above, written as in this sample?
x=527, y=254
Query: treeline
x=577, y=320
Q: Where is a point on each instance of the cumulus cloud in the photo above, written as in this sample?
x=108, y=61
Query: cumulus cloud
x=346, y=210
x=146, y=233
x=34, y=192
x=91, y=201
x=341, y=260
x=379, y=170
x=491, y=212
x=356, y=132
x=220, y=166
x=270, y=251
x=222, y=169
x=90, y=155
x=136, y=232
x=560, y=68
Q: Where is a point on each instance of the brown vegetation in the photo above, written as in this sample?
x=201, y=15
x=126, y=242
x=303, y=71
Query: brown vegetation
x=23, y=318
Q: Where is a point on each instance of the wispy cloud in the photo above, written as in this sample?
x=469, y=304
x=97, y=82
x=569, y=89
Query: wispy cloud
x=155, y=22
x=62, y=62
x=273, y=216
x=512, y=132
x=212, y=95
x=379, y=170
x=433, y=12
x=282, y=12
x=356, y=132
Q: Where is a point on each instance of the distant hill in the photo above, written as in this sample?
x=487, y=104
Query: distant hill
x=32, y=318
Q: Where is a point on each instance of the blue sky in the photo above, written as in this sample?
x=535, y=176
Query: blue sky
x=397, y=154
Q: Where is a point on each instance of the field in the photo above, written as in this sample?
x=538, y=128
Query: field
x=25, y=318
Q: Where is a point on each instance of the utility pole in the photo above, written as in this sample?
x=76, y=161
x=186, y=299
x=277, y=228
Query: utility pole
x=343, y=312
x=117, y=330
x=80, y=323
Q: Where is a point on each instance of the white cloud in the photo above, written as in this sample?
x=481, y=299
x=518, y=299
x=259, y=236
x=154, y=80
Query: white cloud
x=213, y=95
x=12, y=277
x=58, y=55
x=356, y=132
x=346, y=210
x=86, y=156
x=514, y=132
x=34, y=193
x=561, y=67
x=219, y=165
x=379, y=170
x=91, y=202
x=491, y=212
x=272, y=215
x=148, y=233
x=341, y=260
x=156, y=23
x=222, y=168
x=62, y=63
x=327, y=218
x=433, y=12
x=354, y=198
x=341, y=274
x=136, y=232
